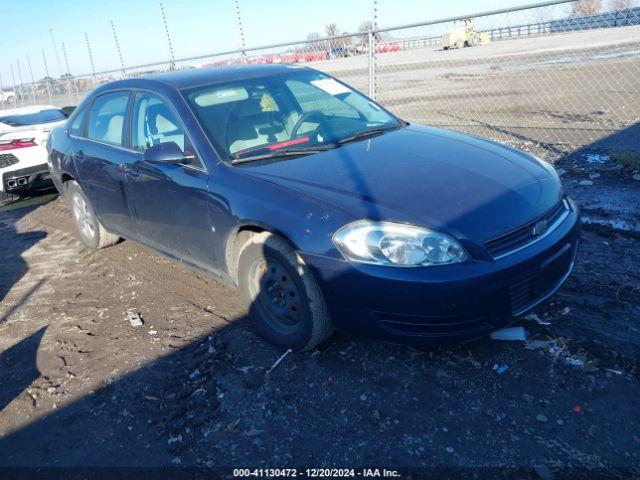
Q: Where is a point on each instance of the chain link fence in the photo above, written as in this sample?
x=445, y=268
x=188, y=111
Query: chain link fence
x=539, y=74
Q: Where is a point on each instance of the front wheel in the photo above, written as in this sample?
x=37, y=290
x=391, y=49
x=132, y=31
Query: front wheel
x=91, y=231
x=282, y=298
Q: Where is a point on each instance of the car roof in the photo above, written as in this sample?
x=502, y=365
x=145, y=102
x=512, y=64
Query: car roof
x=203, y=76
x=26, y=110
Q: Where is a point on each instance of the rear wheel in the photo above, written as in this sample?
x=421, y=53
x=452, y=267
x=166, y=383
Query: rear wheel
x=283, y=299
x=91, y=231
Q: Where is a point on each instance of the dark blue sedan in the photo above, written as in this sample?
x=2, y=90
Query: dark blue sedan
x=321, y=206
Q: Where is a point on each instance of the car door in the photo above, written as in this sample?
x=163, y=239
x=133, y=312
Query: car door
x=169, y=201
x=100, y=156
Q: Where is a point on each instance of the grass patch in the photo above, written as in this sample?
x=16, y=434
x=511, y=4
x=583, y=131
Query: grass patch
x=28, y=202
x=628, y=160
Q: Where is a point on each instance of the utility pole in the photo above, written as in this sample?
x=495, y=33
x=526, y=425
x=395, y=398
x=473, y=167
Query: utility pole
x=33, y=81
x=55, y=50
x=115, y=37
x=93, y=67
x=172, y=65
x=243, y=46
x=48, y=77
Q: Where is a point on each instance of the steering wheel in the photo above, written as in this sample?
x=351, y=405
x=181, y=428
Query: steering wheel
x=306, y=117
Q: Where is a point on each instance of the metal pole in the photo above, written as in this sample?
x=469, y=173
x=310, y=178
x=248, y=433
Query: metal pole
x=21, y=82
x=55, y=50
x=33, y=81
x=93, y=67
x=1, y=92
x=172, y=65
x=13, y=77
x=243, y=46
x=372, y=49
x=48, y=77
x=115, y=37
x=68, y=74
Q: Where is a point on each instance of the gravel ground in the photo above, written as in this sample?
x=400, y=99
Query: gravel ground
x=81, y=387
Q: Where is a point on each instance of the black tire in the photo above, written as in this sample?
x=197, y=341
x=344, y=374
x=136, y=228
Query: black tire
x=89, y=228
x=282, y=298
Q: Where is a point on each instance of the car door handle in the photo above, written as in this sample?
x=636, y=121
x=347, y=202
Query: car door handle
x=128, y=170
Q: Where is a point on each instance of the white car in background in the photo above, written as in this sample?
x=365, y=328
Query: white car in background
x=7, y=97
x=23, y=154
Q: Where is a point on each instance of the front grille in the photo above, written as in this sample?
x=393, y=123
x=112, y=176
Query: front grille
x=423, y=325
x=522, y=236
x=7, y=159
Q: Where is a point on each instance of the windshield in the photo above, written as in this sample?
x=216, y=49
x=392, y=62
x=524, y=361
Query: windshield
x=297, y=110
x=34, y=118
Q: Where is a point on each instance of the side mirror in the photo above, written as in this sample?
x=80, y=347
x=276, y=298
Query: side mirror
x=68, y=110
x=168, y=152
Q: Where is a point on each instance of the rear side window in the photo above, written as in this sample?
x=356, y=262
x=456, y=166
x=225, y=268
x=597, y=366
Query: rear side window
x=106, y=118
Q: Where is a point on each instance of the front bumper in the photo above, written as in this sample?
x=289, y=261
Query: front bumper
x=27, y=179
x=452, y=303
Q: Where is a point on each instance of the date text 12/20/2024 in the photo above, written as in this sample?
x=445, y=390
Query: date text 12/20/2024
x=315, y=473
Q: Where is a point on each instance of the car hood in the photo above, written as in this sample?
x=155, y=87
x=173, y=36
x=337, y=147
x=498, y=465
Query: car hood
x=471, y=188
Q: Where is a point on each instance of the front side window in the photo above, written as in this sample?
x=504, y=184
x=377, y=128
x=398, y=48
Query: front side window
x=154, y=122
x=106, y=118
x=297, y=109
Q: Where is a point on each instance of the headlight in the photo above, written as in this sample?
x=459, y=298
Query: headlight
x=395, y=244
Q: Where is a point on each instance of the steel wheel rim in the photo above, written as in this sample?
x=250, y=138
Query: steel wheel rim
x=277, y=295
x=83, y=217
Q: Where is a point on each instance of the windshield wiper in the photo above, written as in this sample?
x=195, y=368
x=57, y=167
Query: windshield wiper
x=289, y=152
x=372, y=132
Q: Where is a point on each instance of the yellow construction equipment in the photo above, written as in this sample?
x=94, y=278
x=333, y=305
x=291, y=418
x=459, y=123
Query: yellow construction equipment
x=463, y=37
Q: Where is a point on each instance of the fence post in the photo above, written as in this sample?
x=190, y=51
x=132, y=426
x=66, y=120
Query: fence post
x=48, y=77
x=34, y=92
x=1, y=93
x=243, y=54
x=93, y=68
x=15, y=89
x=172, y=65
x=115, y=37
x=21, y=83
x=68, y=74
x=373, y=49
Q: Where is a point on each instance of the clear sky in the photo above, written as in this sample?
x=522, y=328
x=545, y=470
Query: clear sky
x=197, y=27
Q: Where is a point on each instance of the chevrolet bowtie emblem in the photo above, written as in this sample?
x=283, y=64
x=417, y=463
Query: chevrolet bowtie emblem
x=539, y=228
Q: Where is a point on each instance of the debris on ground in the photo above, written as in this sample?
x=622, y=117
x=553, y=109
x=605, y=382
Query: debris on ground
x=585, y=183
x=535, y=318
x=134, y=319
x=511, y=333
x=278, y=361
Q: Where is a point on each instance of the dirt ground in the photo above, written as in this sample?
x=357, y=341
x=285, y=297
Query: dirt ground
x=81, y=387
